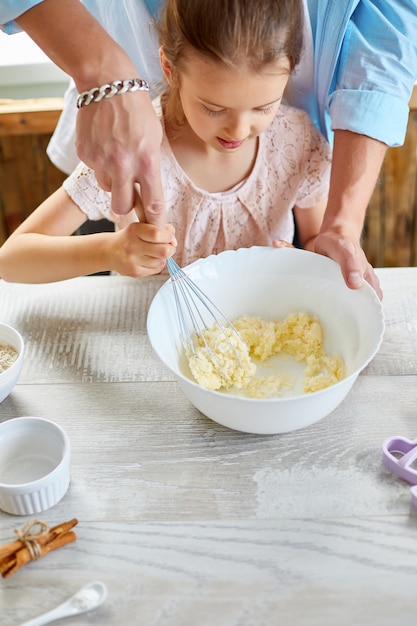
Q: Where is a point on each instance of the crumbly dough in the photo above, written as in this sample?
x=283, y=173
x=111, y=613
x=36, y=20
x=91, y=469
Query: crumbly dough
x=224, y=361
x=221, y=359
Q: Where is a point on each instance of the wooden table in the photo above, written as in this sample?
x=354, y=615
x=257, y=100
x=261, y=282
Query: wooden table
x=191, y=524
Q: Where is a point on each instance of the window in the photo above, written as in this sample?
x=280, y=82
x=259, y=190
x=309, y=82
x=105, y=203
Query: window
x=26, y=72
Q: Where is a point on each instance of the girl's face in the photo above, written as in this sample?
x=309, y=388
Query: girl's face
x=225, y=107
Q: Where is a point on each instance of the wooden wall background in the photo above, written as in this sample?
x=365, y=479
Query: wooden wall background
x=27, y=177
x=390, y=232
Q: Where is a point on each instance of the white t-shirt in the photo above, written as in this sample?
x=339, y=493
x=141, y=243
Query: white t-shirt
x=301, y=83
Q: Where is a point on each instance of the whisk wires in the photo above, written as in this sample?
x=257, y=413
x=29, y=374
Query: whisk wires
x=191, y=302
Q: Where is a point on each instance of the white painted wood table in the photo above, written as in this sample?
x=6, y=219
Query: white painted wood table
x=191, y=524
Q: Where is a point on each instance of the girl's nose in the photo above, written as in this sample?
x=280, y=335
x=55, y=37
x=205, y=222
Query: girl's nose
x=238, y=127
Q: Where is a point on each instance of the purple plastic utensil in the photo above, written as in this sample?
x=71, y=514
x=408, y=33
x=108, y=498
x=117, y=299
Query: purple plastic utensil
x=399, y=455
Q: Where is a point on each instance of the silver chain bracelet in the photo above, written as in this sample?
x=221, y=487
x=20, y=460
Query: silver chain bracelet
x=108, y=91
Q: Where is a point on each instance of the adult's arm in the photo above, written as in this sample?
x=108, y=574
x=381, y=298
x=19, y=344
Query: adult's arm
x=369, y=111
x=357, y=160
x=118, y=137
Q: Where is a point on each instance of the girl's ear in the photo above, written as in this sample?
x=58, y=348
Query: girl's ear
x=165, y=65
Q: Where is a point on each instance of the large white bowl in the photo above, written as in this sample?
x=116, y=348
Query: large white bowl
x=271, y=283
x=11, y=337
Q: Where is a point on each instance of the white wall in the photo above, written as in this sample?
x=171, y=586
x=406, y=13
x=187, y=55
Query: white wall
x=25, y=71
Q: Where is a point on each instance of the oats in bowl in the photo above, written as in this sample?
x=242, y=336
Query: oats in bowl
x=8, y=356
x=11, y=358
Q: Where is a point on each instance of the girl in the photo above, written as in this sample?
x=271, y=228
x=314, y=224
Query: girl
x=234, y=161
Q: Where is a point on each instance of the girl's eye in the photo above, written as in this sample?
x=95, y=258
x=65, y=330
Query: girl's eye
x=211, y=111
x=266, y=111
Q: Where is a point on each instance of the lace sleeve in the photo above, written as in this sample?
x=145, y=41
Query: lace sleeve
x=83, y=188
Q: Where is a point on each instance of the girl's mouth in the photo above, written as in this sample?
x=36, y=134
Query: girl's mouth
x=229, y=145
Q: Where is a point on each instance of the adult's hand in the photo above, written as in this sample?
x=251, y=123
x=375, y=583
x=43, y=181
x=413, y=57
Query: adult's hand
x=353, y=263
x=120, y=139
x=356, y=164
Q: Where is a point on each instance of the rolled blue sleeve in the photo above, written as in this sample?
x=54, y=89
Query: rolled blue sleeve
x=377, y=71
x=10, y=10
x=378, y=115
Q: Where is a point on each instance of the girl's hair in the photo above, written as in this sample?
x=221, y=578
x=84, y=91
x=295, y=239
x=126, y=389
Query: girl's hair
x=249, y=33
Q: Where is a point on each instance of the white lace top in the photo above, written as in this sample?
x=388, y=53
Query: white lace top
x=292, y=168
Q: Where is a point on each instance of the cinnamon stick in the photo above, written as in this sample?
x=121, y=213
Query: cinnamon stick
x=17, y=544
x=31, y=547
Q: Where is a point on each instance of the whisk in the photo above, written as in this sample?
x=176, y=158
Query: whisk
x=197, y=313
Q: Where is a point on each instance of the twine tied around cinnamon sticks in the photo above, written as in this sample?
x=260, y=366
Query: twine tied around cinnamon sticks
x=30, y=538
x=34, y=541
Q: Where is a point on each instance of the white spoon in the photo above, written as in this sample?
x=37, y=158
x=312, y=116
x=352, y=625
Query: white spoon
x=87, y=598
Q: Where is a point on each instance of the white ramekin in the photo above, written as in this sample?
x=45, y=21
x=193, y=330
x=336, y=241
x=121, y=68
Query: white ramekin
x=34, y=465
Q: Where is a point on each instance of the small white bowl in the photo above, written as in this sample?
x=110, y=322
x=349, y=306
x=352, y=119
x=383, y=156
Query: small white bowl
x=34, y=465
x=272, y=283
x=11, y=337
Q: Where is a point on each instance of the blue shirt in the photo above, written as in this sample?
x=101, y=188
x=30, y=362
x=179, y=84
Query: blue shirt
x=10, y=9
x=153, y=5
x=365, y=66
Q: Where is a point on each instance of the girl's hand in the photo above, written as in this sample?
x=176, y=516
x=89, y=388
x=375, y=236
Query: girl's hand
x=281, y=243
x=141, y=249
